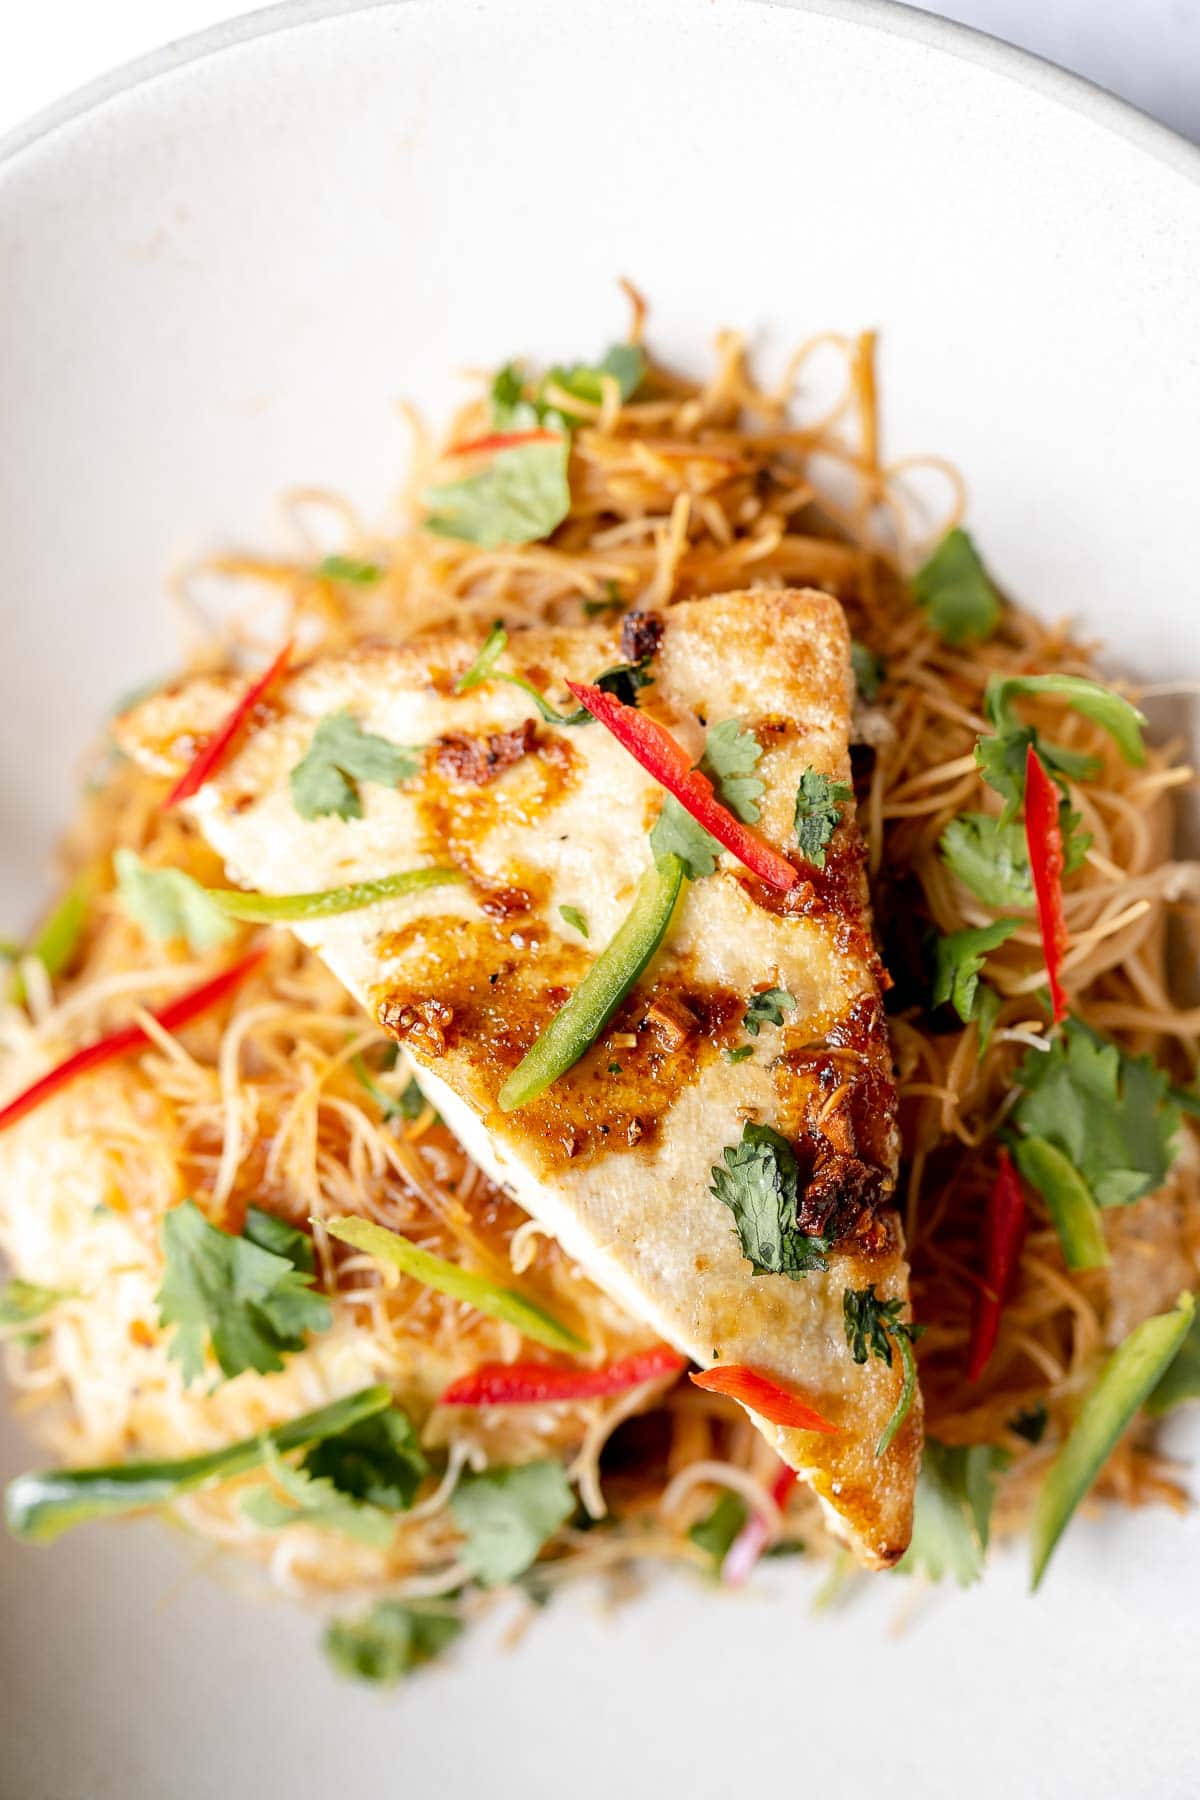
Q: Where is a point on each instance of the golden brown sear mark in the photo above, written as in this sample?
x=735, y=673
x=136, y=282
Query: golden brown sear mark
x=478, y=760
x=473, y=990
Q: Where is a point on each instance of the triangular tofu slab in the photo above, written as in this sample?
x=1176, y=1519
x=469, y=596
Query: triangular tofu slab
x=615, y=1159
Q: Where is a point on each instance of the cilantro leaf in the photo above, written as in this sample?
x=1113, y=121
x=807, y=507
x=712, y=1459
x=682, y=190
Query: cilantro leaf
x=390, y=1642
x=730, y=758
x=251, y=1295
x=379, y=1461
x=992, y=859
x=519, y=496
x=717, y=1530
x=959, y=963
x=166, y=903
x=349, y=568
x=1109, y=1114
x=868, y=670
x=574, y=917
x=507, y=1515
x=819, y=803
x=341, y=755
x=952, y=586
x=739, y=1054
x=1001, y=761
x=767, y=1008
x=676, y=833
x=311, y=1500
x=952, y=1514
x=872, y=1325
x=23, y=1301
x=760, y=1184
x=625, y=363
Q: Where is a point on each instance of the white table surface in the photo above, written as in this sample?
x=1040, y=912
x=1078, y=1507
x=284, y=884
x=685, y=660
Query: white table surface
x=1148, y=51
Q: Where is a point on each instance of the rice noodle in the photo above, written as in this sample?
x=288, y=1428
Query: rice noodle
x=687, y=489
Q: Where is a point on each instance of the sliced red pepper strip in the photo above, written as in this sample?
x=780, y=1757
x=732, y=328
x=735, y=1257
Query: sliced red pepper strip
x=763, y=1396
x=207, y=761
x=662, y=756
x=1003, y=1235
x=750, y=1542
x=502, y=440
x=1043, y=836
x=130, y=1037
x=531, y=1383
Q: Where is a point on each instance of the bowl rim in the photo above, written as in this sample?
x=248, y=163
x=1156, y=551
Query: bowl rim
x=1074, y=92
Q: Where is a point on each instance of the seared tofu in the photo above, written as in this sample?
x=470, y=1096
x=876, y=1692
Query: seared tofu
x=548, y=823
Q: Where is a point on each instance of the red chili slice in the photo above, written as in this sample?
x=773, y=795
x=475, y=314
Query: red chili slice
x=131, y=1037
x=763, y=1396
x=1003, y=1235
x=502, y=440
x=662, y=756
x=207, y=761
x=531, y=1383
x=1043, y=836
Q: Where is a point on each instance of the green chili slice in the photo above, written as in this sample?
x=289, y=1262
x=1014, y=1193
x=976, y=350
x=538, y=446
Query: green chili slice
x=266, y=909
x=1133, y=1370
x=459, y=1283
x=40, y=1506
x=579, y=1022
x=1069, y=1201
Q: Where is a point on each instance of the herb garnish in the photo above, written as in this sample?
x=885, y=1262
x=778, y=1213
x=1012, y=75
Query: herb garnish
x=716, y=1531
x=624, y=680
x=574, y=917
x=507, y=1515
x=954, y=590
x=730, y=758
x=819, y=802
x=767, y=1008
x=167, y=903
x=992, y=859
x=1001, y=759
x=391, y=1641
x=349, y=568
x=760, y=1184
x=21, y=1302
x=872, y=1326
x=340, y=756
x=952, y=1514
x=868, y=670
x=958, y=969
x=250, y=1296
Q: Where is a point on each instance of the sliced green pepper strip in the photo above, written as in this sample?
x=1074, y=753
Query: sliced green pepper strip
x=1126, y=1380
x=41, y=1506
x=1069, y=1200
x=266, y=909
x=58, y=940
x=448, y=1278
x=908, y=1388
x=578, y=1023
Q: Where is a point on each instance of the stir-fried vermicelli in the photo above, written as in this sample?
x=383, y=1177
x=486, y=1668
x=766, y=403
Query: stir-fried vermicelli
x=284, y=1099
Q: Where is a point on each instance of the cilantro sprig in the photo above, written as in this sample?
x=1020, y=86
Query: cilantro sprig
x=250, y=1297
x=959, y=957
x=391, y=1640
x=168, y=904
x=507, y=1515
x=1001, y=757
x=341, y=755
x=952, y=587
x=872, y=1326
x=819, y=803
x=767, y=1008
x=730, y=757
x=760, y=1184
x=956, y=1489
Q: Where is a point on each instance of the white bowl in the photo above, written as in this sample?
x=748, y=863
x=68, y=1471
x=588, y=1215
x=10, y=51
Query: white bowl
x=221, y=270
